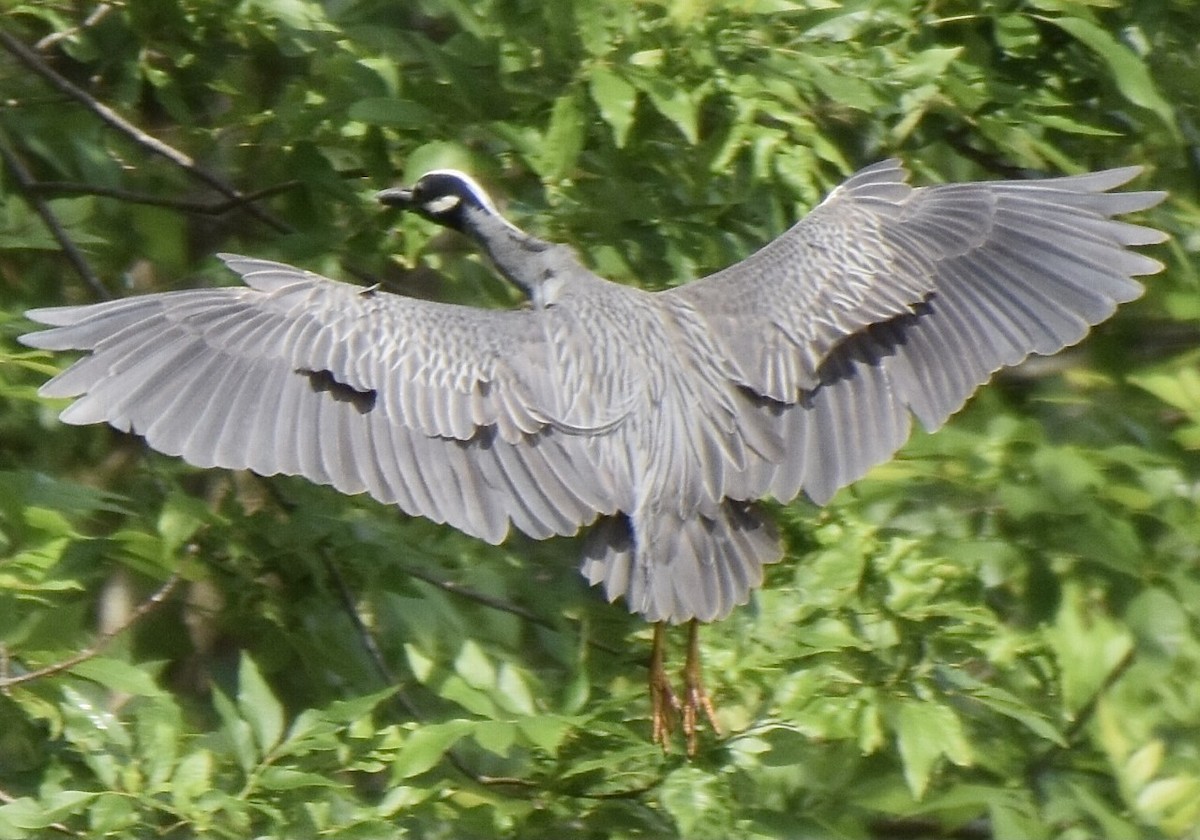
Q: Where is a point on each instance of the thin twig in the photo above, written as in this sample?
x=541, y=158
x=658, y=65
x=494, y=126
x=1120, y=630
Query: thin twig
x=1086, y=712
x=101, y=642
x=97, y=14
x=365, y=636
x=184, y=161
x=209, y=208
x=920, y=828
x=28, y=186
x=490, y=601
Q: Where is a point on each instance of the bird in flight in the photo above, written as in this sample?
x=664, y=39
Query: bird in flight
x=657, y=419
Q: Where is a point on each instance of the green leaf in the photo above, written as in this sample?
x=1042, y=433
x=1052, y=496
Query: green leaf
x=258, y=706
x=678, y=104
x=348, y=711
x=440, y=154
x=110, y=813
x=192, y=778
x=546, y=731
x=474, y=666
x=118, y=675
x=1017, y=34
x=237, y=731
x=846, y=90
x=1011, y=706
x=1159, y=622
x=616, y=98
x=1088, y=644
x=563, y=140
x=287, y=778
x=694, y=800
x=1128, y=72
x=1072, y=126
x=395, y=113
x=495, y=736
x=425, y=747
x=925, y=732
x=512, y=690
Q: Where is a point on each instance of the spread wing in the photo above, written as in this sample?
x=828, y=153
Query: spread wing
x=1007, y=268
x=439, y=409
x=877, y=248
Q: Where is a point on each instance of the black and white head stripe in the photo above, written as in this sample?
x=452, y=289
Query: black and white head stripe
x=442, y=195
x=441, y=189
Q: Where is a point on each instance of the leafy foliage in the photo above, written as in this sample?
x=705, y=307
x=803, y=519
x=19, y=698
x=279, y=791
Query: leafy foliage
x=996, y=635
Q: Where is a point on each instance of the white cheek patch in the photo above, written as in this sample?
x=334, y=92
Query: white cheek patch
x=442, y=204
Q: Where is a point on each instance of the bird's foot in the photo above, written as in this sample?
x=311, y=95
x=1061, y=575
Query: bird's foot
x=667, y=708
x=664, y=702
x=695, y=697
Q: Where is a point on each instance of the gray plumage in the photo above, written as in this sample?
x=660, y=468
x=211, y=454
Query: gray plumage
x=665, y=415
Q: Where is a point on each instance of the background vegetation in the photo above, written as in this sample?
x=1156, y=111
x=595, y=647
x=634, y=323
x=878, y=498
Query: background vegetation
x=997, y=635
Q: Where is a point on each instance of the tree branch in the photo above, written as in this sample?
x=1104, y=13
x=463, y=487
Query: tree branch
x=7, y=682
x=209, y=208
x=28, y=187
x=35, y=63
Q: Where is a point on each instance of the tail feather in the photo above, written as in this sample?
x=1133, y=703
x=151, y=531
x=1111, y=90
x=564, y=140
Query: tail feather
x=674, y=569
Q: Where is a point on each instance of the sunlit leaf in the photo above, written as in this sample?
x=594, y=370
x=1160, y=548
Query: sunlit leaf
x=616, y=98
x=925, y=733
x=259, y=706
x=1129, y=73
x=426, y=746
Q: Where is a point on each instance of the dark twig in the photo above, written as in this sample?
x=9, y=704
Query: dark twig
x=490, y=601
x=35, y=63
x=1086, y=712
x=918, y=828
x=28, y=186
x=959, y=141
x=365, y=636
x=208, y=208
x=377, y=658
x=160, y=595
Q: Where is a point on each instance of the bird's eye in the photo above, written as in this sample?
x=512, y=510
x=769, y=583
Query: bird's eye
x=441, y=204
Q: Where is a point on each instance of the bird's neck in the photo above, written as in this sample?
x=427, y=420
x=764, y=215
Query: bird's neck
x=537, y=266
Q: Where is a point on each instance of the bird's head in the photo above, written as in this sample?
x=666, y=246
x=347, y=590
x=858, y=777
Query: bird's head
x=444, y=196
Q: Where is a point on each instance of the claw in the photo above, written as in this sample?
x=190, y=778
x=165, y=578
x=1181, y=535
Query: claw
x=664, y=702
x=695, y=697
x=666, y=706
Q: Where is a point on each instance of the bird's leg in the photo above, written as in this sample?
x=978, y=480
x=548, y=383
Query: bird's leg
x=663, y=701
x=696, y=697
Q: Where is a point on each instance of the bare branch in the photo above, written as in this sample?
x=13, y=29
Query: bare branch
x=28, y=187
x=211, y=208
x=35, y=63
x=97, y=14
x=160, y=595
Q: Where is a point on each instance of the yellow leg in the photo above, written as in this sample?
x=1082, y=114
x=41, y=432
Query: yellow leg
x=695, y=697
x=663, y=701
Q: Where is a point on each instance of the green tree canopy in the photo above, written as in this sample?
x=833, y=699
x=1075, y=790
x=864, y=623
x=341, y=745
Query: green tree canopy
x=996, y=635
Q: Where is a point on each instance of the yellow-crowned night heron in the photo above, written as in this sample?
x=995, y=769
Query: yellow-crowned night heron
x=662, y=415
